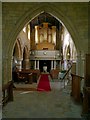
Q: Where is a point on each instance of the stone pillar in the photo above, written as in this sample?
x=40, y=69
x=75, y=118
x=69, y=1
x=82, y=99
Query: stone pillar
x=27, y=31
x=83, y=65
x=51, y=64
x=65, y=65
x=60, y=66
x=35, y=64
x=80, y=64
x=4, y=69
x=19, y=64
x=7, y=69
x=38, y=64
x=54, y=64
x=27, y=63
x=87, y=70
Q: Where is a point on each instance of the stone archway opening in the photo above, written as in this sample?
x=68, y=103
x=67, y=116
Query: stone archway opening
x=59, y=37
x=46, y=37
x=26, y=18
x=45, y=29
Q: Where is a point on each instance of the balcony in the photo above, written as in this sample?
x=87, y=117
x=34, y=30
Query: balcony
x=45, y=55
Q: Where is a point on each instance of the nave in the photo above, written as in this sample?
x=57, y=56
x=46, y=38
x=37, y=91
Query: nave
x=56, y=103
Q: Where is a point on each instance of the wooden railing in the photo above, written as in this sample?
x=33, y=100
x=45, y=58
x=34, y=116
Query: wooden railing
x=7, y=92
x=76, y=87
x=65, y=73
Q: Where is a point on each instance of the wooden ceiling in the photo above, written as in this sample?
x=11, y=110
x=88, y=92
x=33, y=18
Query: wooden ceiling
x=45, y=17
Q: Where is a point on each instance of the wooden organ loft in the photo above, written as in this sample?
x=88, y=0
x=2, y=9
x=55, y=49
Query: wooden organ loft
x=44, y=48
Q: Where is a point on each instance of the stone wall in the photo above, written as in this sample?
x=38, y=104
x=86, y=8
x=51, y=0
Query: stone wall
x=15, y=15
x=0, y=44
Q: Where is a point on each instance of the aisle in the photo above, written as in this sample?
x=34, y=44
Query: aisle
x=34, y=104
x=44, y=83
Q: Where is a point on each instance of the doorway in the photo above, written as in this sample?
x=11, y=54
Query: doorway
x=45, y=63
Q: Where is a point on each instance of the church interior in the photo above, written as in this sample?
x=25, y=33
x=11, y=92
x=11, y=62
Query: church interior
x=45, y=60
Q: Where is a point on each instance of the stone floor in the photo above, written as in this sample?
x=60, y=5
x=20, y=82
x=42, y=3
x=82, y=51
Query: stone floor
x=34, y=104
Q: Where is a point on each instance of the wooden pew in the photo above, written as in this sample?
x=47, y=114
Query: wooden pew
x=7, y=92
x=35, y=74
x=86, y=101
x=54, y=73
x=29, y=75
x=76, y=87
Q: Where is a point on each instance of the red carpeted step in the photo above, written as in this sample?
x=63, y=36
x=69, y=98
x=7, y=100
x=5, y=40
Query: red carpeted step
x=44, y=84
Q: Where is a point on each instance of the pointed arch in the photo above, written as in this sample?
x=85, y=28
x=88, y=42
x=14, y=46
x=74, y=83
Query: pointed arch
x=25, y=52
x=49, y=8
x=17, y=50
x=28, y=16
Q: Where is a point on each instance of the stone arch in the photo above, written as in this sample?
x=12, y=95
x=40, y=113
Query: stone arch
x=25, y=50
x=31, y=13
x=18, y=49
x=25, y=61
x=34, y=12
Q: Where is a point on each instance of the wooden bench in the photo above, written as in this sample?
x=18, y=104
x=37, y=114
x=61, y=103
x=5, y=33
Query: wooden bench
x=29, y=75
x=35, y=74
x=86, y=101
x=76, y=87
x=54, y=73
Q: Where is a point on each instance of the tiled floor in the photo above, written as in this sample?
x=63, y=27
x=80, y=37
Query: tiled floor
x=33, y=104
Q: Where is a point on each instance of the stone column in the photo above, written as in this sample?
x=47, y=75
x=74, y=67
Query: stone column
x=60, y=66
x=51, y=64
x=83, y=65
x=35, y=64
x=80, y=64
x=65, y=64
x=27, y=31
x=27, y=63
x=5, y=66
x=19, y=64
x=54, y=64
x=87, y=70
x=38, y=64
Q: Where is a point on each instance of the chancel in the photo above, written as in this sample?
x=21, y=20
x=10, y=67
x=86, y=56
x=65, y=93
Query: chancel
x=49, y=45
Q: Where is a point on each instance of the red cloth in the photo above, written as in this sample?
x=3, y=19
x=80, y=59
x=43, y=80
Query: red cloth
x=44, y=84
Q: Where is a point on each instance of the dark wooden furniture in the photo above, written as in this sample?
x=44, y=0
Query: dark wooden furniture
x=32, y=75
x=30, y=78
x=21, y=77
x=27, y=76
x=54, y=73
x=7, y=92
x=86, y=101
x=76, y=87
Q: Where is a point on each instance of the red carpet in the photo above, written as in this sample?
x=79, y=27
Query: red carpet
x=43, y=84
